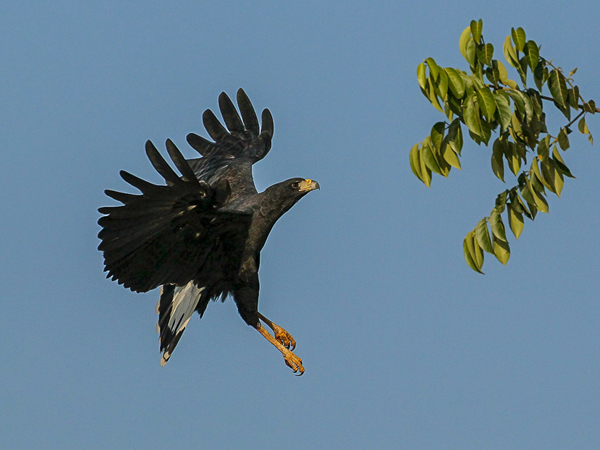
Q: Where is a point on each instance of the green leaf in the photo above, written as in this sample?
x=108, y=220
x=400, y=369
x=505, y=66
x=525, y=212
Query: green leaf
x=516, y=131
x=533, y=54
x=560, y=164
x=471, y=50
x=450, y=156
x=503, y=74
x=543, y=149
x=437, y=135
x=415, y=163
x=476, y=29
x=455, y=139
x=429, y=158
x=469, y=85
x=431, y=95
x=521, y=150
x=525, y=209
x=501, y=201
x=534, y=196
x=540, y=75
x=564, y=109
x=501, y=250
x=497, y=159
x=486, y=131
x=510, y=54
x=517, y=99
x=483, y=236
x=527, y=103
x=464, y=38
x=441, y=84
x=583, y=129
x=558, y=87
x=485, y=54
x=447, y=152
x=536, y=103
x=512, y=84
x=454, y=105
x=477, y=253
x=486, y=102
x=518, y=37
x=455, y=83
x=497, y=225
x=533, y=210
x=470, y=253
x=433, y=68
x=539, y=199
x=590, y=107
x=563, y=139
x=471, y=116
x=522, y=69
x=515, y=221
x=492, y=73
x=559, y=181
x=537, y=127
x=504, y=113
x=425, y=171
x=526, y=194
x=539, y=177
x=421, y=75
x=573, y=97
x=513, y=159
x=548, y=174
x=528, y=209
x=515, y=201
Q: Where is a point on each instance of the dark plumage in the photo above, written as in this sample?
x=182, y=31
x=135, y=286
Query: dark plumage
x=200, y=235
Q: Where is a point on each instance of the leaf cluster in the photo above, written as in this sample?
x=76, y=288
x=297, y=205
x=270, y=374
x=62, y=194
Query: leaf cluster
x=487, y=102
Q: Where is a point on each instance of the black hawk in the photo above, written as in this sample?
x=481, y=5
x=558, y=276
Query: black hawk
x=199, y=236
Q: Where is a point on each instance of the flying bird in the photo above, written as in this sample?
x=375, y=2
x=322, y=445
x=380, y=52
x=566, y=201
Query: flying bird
x=199, y=236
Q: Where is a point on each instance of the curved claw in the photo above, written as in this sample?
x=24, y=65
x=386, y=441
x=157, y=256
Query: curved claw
x=294, y=363
x=283, y=336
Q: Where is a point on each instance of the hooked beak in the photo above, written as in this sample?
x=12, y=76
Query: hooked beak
x=308, y=185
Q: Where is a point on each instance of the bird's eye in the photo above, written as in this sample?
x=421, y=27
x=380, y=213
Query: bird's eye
x=295, y=185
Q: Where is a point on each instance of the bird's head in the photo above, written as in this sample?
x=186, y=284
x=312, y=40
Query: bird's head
x=288, y=192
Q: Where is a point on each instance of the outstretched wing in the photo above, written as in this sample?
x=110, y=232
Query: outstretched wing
x=170, y=234
x=235, y=148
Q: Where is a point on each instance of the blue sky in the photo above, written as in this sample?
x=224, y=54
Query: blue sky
x=404, y=346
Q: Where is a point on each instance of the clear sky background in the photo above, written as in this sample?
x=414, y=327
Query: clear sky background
x=404, y=346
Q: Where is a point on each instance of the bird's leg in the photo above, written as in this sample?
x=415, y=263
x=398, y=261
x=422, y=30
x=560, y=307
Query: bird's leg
x=291, y=360
x=280, y=334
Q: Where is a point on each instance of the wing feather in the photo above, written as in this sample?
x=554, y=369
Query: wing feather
x=142, y=185
x=215, y=129
x=267, y=122
x=180, y=162
x=248, y=113
x=166, y=234
x=230, y=115
x=161, y=165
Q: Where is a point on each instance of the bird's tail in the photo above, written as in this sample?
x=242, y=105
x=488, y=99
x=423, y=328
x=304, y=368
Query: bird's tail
x=175, y=308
